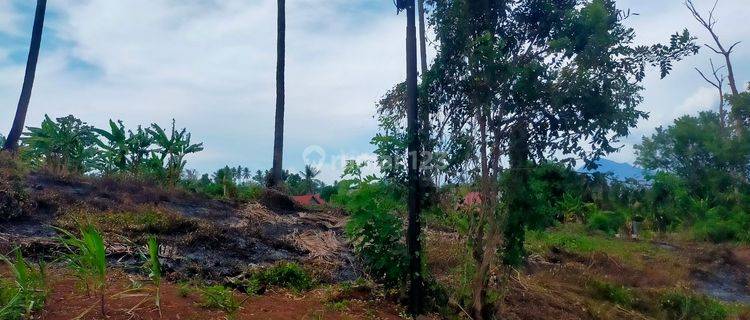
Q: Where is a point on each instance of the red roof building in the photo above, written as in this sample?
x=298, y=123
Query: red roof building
x=309, y=200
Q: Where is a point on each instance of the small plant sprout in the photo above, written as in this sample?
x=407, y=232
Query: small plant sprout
x=88, y=260
x=155, y=269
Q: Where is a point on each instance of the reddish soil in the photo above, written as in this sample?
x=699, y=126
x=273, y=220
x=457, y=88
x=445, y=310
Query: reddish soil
x=68, y=301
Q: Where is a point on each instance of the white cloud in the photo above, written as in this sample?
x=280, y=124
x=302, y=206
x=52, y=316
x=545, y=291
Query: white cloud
x=211, y=65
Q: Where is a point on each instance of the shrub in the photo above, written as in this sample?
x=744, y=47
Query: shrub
x=681, y=305
x=605, y=221
x=722, y=225
x=376, y=231
x=14, y=200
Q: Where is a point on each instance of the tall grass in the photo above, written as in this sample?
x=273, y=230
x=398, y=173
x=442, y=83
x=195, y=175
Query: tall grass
x=88, y=259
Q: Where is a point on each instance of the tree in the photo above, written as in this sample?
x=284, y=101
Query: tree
x=309, y=175
x=413, y=241
x=719, y=48
x=11, y=143
x=695, y=149
x=526, y=81
x=278, y=141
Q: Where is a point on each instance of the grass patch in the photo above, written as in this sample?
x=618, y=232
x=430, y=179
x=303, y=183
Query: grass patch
x=145, y=221
x=683, y=305
x=221, y=298
x=611, y=292
x=570, y=239
x=25, y=293
x=288, y=275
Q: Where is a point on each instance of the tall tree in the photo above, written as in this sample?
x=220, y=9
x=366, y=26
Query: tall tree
x=422, y=37
x=278, y=138
x=532, y=79
x=11, y=143
x=414, y=246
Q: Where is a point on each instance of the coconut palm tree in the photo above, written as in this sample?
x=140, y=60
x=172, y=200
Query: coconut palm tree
x=278, y=138
x=309, y=175
x=11, y=143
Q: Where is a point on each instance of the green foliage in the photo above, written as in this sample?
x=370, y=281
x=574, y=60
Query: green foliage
x=722, y=225
x=606, y=221
x=285, y=274
x=698, y=150
x=2, y=139
x=221, y=298
x=26, y=293
x=87, y=258
x=681, y=305
x=612, y=292
x=374, y=228
x=154, y=266
x=66, y=144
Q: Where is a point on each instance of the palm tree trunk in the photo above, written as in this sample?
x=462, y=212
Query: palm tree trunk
x=422, y=38
x=278, y=140
x=11, y=143
x=415, y=195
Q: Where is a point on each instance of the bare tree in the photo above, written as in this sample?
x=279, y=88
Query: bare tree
x=11, y=143
x=422, y=37
x=718, y=47
x=717, y=82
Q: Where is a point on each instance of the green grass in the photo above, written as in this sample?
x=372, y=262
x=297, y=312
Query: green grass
x=288, y=275
x=220, y=298
x=25, y=293
x=615, y=293
x=684, y=305
x=571, y=238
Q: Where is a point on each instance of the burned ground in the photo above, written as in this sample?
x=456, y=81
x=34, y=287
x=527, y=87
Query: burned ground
x=200, y=237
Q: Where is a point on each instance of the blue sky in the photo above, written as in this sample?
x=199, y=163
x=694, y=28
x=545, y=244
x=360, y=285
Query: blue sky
x=210, y=65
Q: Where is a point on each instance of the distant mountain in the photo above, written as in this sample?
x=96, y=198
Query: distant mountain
x=621, y=171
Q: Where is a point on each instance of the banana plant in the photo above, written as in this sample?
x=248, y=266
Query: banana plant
x=115, y=149
x=64, y=144
x=173, y=148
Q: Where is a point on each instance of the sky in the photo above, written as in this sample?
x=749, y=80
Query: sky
x=210, y=65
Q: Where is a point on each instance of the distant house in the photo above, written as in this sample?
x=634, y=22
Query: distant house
x=309, y=200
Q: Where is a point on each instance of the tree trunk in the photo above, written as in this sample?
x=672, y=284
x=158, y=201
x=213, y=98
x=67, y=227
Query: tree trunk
x=422, y=37
x=415, y=195
x=11, y=143
x=278, y=139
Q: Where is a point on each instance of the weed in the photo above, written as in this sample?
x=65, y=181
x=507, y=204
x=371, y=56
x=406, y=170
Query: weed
x=612, y=292
x=285, y=274
x=221, y=298
x=87, y=259
x=682, y=305
x=24, y=295
x=184, y=289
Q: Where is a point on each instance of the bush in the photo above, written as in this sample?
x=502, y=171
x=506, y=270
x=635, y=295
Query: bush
x=722, y=225
x=605, y=221
x=376, y=230
x=680, y=305
x=14, y=200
